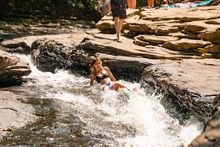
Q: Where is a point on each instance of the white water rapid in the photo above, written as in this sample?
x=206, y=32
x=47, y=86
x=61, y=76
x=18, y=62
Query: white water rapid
x=132, y=119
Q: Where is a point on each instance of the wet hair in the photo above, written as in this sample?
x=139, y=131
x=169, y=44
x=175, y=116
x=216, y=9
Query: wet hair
x=94, y=59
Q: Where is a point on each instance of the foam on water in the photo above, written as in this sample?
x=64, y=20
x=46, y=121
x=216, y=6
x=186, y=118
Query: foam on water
x=154, y=127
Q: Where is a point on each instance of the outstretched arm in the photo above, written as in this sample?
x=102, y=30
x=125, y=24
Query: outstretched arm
x=110, y=74
x=92, y=76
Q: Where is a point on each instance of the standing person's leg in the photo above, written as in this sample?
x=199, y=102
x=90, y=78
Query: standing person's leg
x=148, y=4
x=133, y=5
x=116, y=20
x=120, y=23
x=118, y=27
x=152, y=3
x=129, y=4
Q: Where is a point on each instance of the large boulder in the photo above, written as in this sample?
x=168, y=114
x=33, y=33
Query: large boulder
x=54, y=51
x=191, y=83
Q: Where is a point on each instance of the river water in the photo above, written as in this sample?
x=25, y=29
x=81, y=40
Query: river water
x=87, y=116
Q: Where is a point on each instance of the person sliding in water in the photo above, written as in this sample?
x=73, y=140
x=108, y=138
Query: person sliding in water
x=104, y=76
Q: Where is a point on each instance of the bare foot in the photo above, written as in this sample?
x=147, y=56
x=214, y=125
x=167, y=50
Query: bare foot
x=118, y=38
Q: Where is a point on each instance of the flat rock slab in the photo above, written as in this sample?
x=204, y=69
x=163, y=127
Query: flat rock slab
x=13, y=113
x=156, y=39
x=66, y=39
x=186, y=44
x=106, y=43
x=182, y=14
x=201, y=76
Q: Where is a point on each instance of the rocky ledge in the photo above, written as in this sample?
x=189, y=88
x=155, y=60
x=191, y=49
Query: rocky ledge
x=175, y=52
x=12, y=69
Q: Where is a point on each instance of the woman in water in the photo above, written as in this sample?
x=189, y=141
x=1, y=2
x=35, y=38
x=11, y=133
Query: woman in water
x=103, y=75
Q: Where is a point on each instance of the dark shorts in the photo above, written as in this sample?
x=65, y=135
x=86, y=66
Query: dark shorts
x=118, y=10
x=119, y=13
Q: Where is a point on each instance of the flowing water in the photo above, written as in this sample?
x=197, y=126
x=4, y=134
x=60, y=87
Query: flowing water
x=76, y=114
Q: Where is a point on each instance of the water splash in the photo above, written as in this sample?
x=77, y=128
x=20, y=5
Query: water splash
x=131, y=118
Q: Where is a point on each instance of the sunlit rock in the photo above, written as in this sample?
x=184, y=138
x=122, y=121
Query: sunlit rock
x=12, y=69
x=152, y=39
x=185, y=44
x=191, y=84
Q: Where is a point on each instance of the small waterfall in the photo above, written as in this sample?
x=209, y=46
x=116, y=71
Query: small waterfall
x=128, y=118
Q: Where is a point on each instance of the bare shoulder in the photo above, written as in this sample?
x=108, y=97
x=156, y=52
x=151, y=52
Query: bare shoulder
x=106, y=68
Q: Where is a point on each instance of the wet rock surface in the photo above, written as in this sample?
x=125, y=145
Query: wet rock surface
x=211, y=134
x=14, y=113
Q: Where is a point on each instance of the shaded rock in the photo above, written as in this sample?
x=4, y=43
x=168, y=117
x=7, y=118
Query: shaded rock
x=48, y=55
x=16, y=46
x=26, y=27
x=210, y=49
x=213, y=21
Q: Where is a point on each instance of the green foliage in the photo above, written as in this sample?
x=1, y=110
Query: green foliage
x=80, y=9
x=143, y=3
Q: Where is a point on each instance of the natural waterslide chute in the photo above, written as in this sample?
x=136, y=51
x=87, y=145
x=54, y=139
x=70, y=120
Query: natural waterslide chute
x=112, y=118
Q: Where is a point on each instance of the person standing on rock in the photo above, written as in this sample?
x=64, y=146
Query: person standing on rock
x=118, y=8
